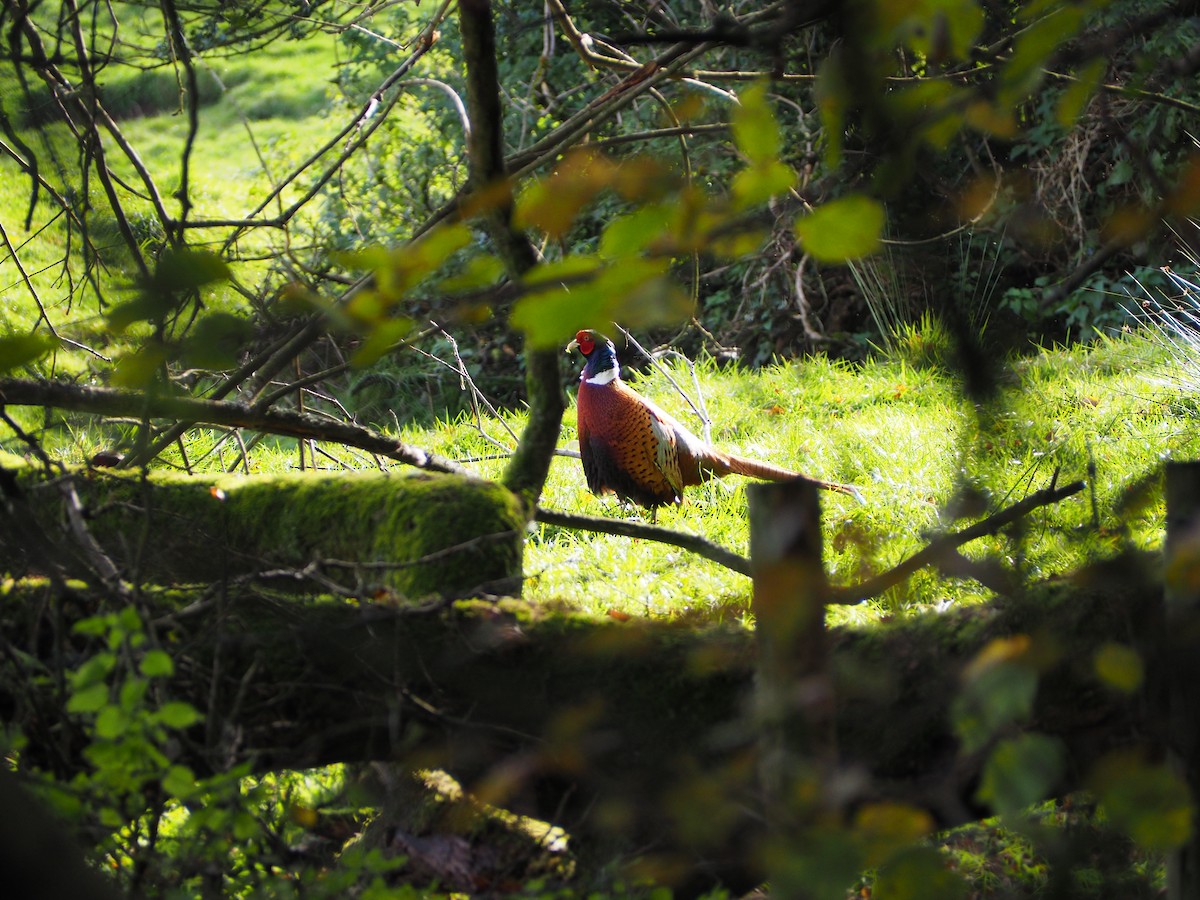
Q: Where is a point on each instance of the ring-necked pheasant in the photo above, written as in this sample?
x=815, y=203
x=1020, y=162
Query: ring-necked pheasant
x=631, y=447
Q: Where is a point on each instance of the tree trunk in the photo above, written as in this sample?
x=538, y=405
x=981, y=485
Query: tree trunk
x=530, y=464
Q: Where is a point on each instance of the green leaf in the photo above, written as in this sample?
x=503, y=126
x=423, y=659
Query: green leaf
x=841, y=230
x=177, y=714
x=636, y=292
x=21, y=349
x=92, y=625
x=571, y=268
x=398, y=271
x=1077, y=94
x=245, y=826
x=937, y=29
x=379, y=340
x=112, y=723
x=832, y=93
x=132, y=694
x=436, y=246
x=1147, y=801
x=999, y=688
x=146, y=307
x=479, y=272
x=185, y=270
x=93, y=670
x=157, y=664
x=632, y=233
x=1020, y=772
x=755, y=131
x=1032, y=50
x=179, y=782
x=760, y=182
x=139, y=369
x=930, y=109
x=216, y=341
x=89, y=699
x=130, y=620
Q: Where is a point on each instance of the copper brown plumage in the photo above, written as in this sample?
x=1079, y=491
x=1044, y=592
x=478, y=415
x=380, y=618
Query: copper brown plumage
x=639, y=452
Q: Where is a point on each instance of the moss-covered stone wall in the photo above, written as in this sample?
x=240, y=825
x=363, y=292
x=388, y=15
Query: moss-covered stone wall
x=411, y=534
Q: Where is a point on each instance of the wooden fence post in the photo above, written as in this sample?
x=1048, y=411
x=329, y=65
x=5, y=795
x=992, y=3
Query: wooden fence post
x=794, y=696
x=1182, y=649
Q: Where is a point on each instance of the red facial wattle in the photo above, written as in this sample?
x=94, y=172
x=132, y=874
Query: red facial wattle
x=586, y=341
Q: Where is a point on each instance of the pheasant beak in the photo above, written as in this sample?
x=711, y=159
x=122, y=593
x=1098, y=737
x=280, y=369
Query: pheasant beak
x=574, y=345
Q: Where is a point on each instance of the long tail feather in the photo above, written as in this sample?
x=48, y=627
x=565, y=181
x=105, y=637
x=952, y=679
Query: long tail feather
x=767, y=472
x=753, y=468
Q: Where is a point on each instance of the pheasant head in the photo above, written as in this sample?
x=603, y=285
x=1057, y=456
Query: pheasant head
x=601, y=365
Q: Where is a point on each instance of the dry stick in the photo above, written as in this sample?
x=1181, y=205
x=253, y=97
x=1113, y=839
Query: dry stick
x=109, y=402
x=477, y=396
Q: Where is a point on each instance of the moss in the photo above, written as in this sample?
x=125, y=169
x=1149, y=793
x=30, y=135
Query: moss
x=413, y=535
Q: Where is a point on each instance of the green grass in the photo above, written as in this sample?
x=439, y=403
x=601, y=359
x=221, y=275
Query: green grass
x=902, y=433
x=262, y=113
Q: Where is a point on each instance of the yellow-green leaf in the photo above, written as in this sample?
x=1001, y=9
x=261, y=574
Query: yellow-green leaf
x=761, y=181
x=1077, y=94
x=832, y=91
x=138, y=369
x=179, y=782
x=112, y=723
x=631, y=233
x=89, y=699
x=1020, y=772
x=216, y=341
x=177, y=714
x=1119, y=667
x=885, y=828
x=479, y=272
x=1032, y=49
x=635, y=291
x=841, y=230
x=21, y=349
x=379, y=340
x=157, y=664
x=1147, y=801
x=755, y=131
x=572, y=268
x=186, y=270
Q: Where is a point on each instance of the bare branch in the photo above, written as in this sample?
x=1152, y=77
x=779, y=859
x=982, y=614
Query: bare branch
x=109, y=402
x=943, y=548
x=693, y=543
